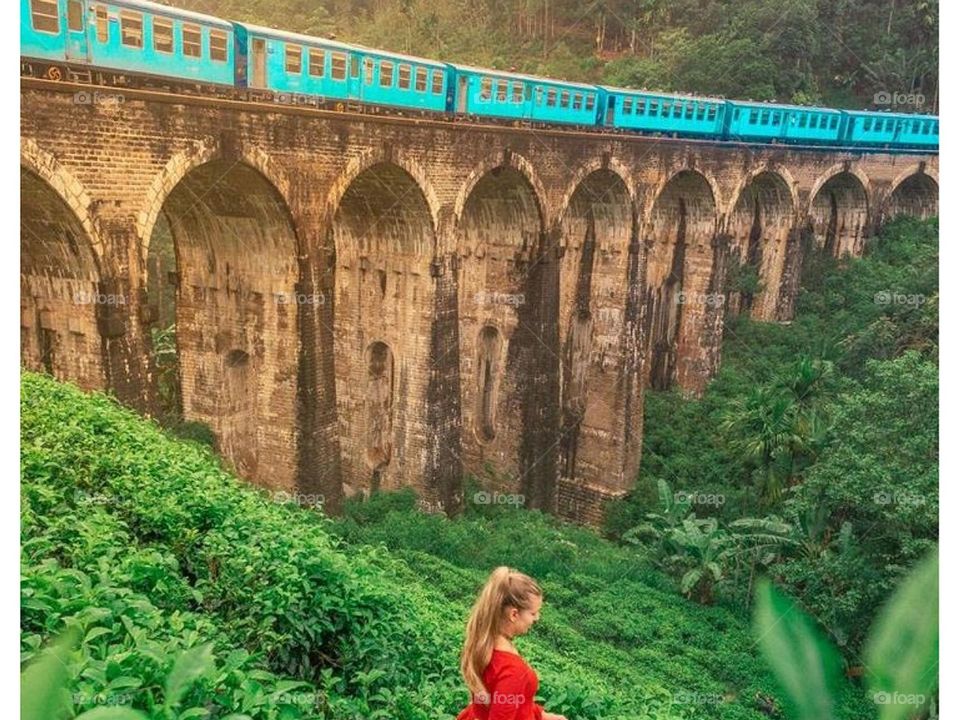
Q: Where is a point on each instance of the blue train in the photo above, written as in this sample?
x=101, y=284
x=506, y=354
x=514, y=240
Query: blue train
x=145, y=42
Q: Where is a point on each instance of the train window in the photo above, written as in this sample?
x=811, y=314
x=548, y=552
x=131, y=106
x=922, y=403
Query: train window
x=539, y=99
x=889, y=124
x=654, y=107
x=688, y=111
x=627, y=106
x=712, y=113
x=868, y=124
x=590, y=101
x=403, y=76
x=293, y=59
x=701, y=112
x=437, y=86
x=501, y=90
x=823, y=122
x=338, y=66
x=316, y=59
x=45, y=15
x=754, y=115
x=564, y=98
x=191, y=40
x=75, y=15
x=803, y=120
x=368, y=71
x=518, y=92
x=776, y=118
x=420, y=83
x=162, y=35
x=486, y=89
x=131, y=29
x=834, y=122
x=218, y=46
x=577, y=101
x=551, y=98
x=926, y=128
x=386, y=73
x=765, y=117
x=103, y=24
x=665, y=110
x=355, y=67
x=641, y=106
x=677, y=110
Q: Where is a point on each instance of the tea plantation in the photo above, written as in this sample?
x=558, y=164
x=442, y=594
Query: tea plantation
x=196, y=596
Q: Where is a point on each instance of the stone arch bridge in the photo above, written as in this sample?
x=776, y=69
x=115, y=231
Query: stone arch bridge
x=367, y=302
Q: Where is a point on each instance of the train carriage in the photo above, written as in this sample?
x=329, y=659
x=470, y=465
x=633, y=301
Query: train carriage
x=300, y=64
x=130, y=36
x=514, y=96
x=663, y=113
x=766, y=122
x=871, y=129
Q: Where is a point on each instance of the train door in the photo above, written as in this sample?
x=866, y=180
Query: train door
x=355, y=82
x=611, y=109
x=462, y=86
x=77, y=47
x=258, y=55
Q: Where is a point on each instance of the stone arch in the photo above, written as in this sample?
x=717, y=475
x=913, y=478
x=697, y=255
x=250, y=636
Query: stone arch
x=509, y=279
x=684, y=279
x=597, y=230
x=839, y=212
x=760, y=224
x=62, y=299
x=385, y=156
x=383, y=233
x=237, y=306
x=185, y=162
x=681, y=171
x=917, y=195
x=46, y=167
x=504, y=161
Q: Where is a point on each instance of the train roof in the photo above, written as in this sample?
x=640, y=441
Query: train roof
x=782, y=106
x=659, y=94
x=158, y=9
x=887, y=113
x=522, y=76
x=336, y=44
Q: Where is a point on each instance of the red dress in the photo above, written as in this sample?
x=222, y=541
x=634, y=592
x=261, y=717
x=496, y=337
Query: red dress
x=511, y=685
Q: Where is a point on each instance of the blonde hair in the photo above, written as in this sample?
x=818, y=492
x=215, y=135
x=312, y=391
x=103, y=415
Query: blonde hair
x=505, y=588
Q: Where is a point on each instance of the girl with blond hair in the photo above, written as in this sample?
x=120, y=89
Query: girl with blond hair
x=502, y=686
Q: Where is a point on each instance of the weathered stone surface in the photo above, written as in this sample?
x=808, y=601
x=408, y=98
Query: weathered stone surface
x=376, y=302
